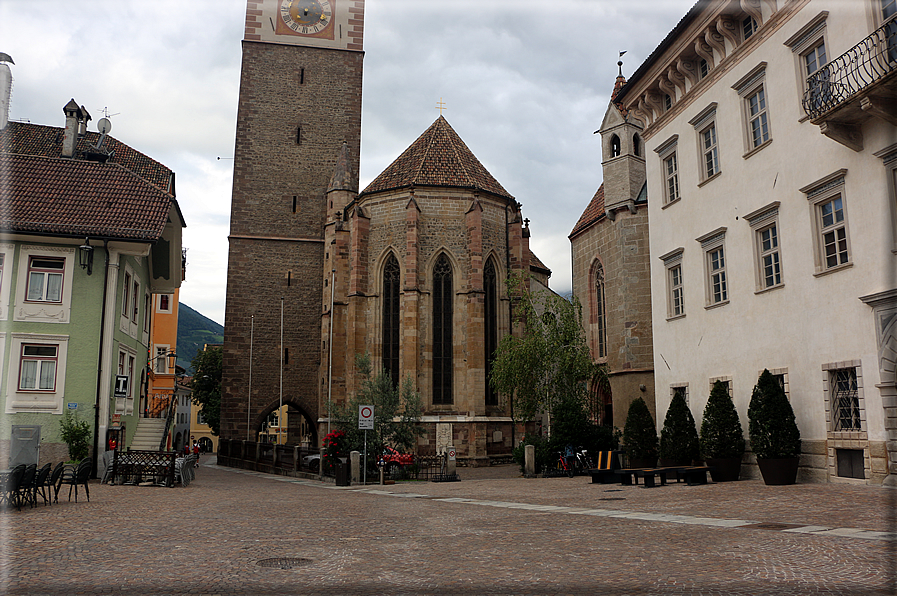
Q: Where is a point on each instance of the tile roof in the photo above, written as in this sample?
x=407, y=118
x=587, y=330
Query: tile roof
x=594, y=212
x=46, y=141
x=536, y=262
x=73, y=197
x=437, y=158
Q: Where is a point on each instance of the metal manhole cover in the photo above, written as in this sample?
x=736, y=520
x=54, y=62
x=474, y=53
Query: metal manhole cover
x=284, y=563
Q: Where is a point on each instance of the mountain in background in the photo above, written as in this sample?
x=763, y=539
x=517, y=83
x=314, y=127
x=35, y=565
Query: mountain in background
x=194, y=331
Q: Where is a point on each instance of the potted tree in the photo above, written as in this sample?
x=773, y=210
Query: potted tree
x=775, y=438
x=640, y=436
x=722, y=438
x=679, y=437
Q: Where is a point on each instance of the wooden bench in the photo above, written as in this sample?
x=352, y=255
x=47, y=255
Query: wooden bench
x=692, y=475
x=607, y=465
x=629, y=476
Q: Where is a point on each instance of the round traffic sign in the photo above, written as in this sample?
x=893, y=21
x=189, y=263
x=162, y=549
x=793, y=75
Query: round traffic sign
x=367, y=411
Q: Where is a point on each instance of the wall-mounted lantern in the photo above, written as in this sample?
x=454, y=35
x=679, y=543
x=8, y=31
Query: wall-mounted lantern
x=85, y=256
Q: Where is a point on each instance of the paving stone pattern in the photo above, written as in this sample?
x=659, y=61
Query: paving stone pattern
x=491, y=533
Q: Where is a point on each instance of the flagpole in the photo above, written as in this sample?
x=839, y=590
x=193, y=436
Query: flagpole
x=280, y=408
x=249, y=396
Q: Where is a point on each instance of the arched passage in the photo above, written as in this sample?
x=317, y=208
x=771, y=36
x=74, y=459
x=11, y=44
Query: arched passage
x=291, y=425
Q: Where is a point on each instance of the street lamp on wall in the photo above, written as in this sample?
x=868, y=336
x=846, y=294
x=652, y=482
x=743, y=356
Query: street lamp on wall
x=85, y=256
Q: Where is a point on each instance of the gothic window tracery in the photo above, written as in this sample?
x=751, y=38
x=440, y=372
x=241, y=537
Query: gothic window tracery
x=490, y=287
x=442, y=332
x=391, y=312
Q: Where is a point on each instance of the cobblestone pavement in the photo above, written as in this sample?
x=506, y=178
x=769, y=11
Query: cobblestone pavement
x=238, y=532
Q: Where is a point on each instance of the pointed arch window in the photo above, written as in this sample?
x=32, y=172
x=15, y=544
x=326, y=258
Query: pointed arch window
x=442, y=332
x=614, y=146
x=636, y=145
x=490, y=289
x=391, y=309
x=600, y=311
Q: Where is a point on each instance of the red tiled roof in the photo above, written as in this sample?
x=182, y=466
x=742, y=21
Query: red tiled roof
x=437, y=158
x=536, y=262
x=74, y=197
x=46, y=141
x=593, y=213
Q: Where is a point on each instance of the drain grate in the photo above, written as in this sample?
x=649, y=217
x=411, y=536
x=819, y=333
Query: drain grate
x=284, y=563
x=612, y=499
x=771, y=526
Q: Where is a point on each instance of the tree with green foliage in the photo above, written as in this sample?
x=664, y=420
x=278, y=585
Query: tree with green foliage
x=679, y=436
x=548, y=363
x=639, y=432
x=772, y=426
x=75, y=434
x=721, y=434
x=397, y=412
x=206, y=385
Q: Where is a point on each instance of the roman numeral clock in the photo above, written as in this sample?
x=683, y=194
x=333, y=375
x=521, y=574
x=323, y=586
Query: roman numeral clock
x=306, y=17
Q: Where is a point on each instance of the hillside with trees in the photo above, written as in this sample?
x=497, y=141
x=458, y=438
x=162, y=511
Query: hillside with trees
x=194, y=331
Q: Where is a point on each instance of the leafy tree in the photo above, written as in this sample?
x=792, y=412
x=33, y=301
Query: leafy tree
x=76, y=434
x=572, y=425
x=206, y=385
x=772, y=427
x=639, y=432
x=397, y=412
x=549, y=361
x=721, y=434
x=679, y=437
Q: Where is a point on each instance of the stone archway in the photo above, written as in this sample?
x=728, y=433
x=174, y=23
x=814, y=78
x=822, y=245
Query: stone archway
x=300, y=428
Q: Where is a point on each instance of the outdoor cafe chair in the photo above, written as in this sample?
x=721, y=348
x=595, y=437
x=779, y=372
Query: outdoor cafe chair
x=80, y=477
x=40, y=480
x=52, y=483
x=10, y=495
x=26, y=486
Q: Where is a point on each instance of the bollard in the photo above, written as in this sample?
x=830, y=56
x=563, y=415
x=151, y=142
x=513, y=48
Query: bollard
x=450, y=461
x=529, y=452
x=355, y=459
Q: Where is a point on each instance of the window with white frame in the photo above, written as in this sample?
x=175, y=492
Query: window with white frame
x=135, y=301
x=160, y=366
x=752, y=90
x=814, y=58
x=45, y=277
x=37, y=367
x=126, y=362
x=675, y=294
x=888, y=9
x=717, y=282
x=829, y=217
x=708, y=144
x=36, y=363
x=748, y=27
x=164, y=303
x=703, y=68
x=200, y=418
x=667, y=152
x=126, y=295
x=764, y=224
x=710, y=151
x=809, y=49
x=146, y=311
x=726, y=381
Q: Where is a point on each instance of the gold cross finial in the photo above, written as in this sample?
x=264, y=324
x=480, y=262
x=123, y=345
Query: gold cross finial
x=440, y=105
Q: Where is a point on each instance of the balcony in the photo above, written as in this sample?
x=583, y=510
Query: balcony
x=859, y=84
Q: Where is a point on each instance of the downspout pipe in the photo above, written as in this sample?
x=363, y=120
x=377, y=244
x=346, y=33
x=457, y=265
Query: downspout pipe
x=96, y=405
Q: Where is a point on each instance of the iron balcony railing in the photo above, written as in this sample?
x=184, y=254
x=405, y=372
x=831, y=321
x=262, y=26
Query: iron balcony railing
x=859, y=67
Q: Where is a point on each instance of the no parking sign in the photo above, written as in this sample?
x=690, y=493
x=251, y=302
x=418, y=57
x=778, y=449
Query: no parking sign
x=365, y=417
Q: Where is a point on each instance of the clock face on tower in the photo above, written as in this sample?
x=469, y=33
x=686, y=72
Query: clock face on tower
x=306, y=17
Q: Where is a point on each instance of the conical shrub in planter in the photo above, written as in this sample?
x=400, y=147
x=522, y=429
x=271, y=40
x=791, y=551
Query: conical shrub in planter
x=722, y=438
x=640, y=435
x=679, y=437
x=775, y=438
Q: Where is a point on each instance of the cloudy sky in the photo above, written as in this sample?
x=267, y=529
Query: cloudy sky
x=525, y=84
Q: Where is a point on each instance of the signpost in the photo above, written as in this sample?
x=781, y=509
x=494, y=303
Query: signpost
x=365, y=423
x=122, y=386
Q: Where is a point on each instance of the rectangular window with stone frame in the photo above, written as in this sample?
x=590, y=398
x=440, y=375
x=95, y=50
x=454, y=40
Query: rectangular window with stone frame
x=751, y=88
x=715, y=268
x=672, y=262
x=808, y=45
x=828, y=211
x=668, y=154
x=764, y=224
x=708, y=143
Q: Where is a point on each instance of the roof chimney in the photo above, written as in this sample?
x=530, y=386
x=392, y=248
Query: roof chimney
x=5, y=89
x=82, y=121
x=72, y=117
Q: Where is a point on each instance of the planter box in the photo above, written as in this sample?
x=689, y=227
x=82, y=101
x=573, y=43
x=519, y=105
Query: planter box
x=779, y=471
x=725, y=470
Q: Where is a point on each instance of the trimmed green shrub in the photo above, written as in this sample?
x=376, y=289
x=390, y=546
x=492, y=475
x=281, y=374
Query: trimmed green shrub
x=571, y=425
x=639, y=432
x=679, y=437
x=721, y=434
x=76, y=434
x=772, y=427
